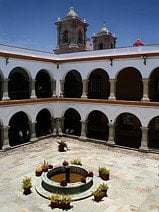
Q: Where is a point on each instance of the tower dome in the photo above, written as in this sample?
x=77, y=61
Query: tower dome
x=138, y=43
x=72, y=13
x=104, y=30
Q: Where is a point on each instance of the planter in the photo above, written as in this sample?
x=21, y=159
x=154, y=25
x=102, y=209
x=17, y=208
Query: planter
x=98, y=198
x=90, y=174
x=45, y=169
x=63, y=183
x=27, y=191
x=50, y=166
x=64, y=205
x=38, y=173
x=104, y=176
x=60, y=205
x=54, y=205
x=61, y=148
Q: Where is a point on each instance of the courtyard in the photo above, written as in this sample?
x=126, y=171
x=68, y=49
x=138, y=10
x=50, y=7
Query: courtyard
x=133, y=184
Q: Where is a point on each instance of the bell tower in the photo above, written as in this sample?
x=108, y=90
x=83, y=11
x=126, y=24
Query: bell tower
x=104, y=39
x=71, y=33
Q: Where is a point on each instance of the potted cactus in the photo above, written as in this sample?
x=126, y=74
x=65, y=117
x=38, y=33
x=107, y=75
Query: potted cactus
x=104, y=173
x=54, y=200
x=27, y=185
x=60, y=201
x=45, y=166
x=76, y=162
x=62, y=146
x=98, y=194
x=38, y=171
x=103, y=187
x=65, y=201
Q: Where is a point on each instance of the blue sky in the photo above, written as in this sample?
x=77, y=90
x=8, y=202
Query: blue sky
x=30, y=23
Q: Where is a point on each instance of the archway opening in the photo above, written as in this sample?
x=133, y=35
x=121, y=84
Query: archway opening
x=154, y=86
x=128, y=131
x=72, y=124
x=19, y=130
x=1, y=140
x=97, y=126
x=129, y=85
x=1, y=90
x=98, y=86
x=100, y=46
x=153, y=133
x=18, y=84
x=73, y=85
x=43, y=85
x=44, y=123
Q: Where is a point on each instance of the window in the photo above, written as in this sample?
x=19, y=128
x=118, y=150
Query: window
x=80, y=39
x=65, y=36
x=100, y=46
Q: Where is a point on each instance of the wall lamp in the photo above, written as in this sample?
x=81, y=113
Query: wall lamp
x=7, y=60
x=111, y=61
x=57, y=65
x=144, y=58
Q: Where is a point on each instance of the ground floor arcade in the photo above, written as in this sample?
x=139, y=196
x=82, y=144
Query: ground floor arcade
x=127, y=129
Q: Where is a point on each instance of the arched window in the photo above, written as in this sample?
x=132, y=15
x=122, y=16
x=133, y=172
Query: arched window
x=80, y=39
x=65, y=36
x=100, y=46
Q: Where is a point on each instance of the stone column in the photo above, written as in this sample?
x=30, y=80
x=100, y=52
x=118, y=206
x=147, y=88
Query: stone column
x=58, y=126
x=145, y=97
x=33, y=130
x=83, y=129
x=112, y=89
x=62, y=87
x=5, y=90
x=33, y=95
x=85, y=88
x=5, y=138
x=53, y=85
x=144, y=140
x=111, y=133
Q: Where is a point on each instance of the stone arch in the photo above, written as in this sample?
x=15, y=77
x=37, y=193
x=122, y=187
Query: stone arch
x=129, y=85
x=43, y=87
x=19, y=130
x=97, y=126
x=153, y=133
x=43, y=123
x=72, y=122
x=73, y=85
x=98, y=86
x=19, y=84
x=154, y=85
x=128, y=130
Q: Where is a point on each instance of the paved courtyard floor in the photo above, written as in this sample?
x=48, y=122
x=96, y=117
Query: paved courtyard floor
x=133, y=184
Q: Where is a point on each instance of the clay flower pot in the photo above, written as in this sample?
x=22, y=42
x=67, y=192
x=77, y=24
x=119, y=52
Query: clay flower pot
x=27, y=191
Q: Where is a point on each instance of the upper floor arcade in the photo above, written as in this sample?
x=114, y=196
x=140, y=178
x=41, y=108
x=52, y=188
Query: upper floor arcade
x=129, y=74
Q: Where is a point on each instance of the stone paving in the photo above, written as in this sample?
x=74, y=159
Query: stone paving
x=133, y=184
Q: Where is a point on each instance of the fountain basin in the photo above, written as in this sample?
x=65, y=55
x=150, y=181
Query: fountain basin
x=71, y=188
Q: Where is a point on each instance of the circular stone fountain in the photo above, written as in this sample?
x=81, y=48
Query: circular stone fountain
x=50, y=182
